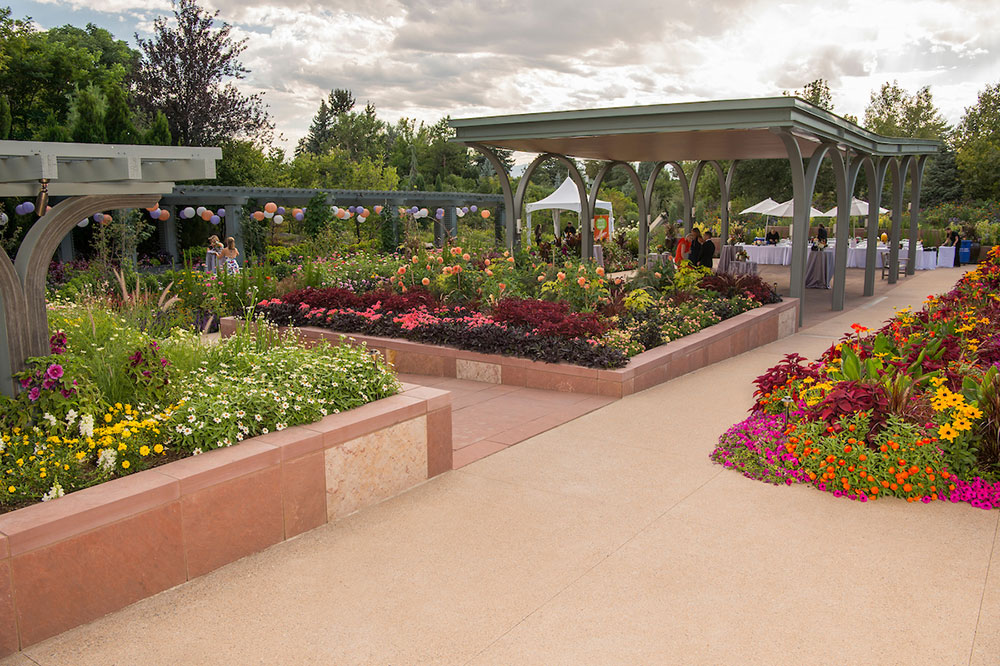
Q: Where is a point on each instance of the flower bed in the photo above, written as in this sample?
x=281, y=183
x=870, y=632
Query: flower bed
x=112, y=400
x=487, y=303
x=911, y=410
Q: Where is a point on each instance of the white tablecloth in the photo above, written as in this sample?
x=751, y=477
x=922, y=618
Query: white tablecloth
x=946, y=256
x=769, y=254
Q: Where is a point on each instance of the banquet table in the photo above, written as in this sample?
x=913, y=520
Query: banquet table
x=742, y=268
x=819, y=269
x=946, y=256
x=769, y=254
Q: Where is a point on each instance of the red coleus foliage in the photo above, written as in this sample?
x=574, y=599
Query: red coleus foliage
x=791, y=368
x=549, y=318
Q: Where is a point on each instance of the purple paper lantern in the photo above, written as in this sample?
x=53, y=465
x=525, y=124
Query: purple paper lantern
x=300, y=216
x=221, y=212
x=473, y=209
x=281, y=210
x=98, y=217
x=215, y=219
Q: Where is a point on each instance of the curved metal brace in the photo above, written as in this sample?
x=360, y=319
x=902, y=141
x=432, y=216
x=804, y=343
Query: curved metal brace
x=685, y=192
x=640, y=200
x=916, y=180
x=586, y=213
x=510, y=214
x=897, y=169
x=41, y=242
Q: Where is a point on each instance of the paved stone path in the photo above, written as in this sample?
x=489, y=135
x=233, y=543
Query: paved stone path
x=610, y=539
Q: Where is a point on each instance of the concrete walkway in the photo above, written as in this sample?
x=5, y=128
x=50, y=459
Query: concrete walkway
x=611, y=539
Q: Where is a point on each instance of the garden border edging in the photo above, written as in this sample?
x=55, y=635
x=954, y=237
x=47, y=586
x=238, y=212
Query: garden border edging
x=69, y=561
x=726, y=339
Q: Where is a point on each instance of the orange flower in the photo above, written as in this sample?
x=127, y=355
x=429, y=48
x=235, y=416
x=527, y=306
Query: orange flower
x=425, y=281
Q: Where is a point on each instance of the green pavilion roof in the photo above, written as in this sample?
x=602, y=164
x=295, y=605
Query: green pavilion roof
x=715, y=130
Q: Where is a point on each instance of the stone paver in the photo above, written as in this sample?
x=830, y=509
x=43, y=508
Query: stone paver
x=609, y=539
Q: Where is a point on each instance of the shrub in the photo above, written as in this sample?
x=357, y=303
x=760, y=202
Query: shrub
x=548, y=318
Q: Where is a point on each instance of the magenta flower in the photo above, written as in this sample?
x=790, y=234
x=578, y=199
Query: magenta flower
x=55, y=371
x=34, y=393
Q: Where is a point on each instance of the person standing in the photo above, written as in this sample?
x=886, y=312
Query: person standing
x=212, y=254
x=707, y=254
x=228, y=255
x=683, y=248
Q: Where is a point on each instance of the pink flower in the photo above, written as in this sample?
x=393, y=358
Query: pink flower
x=34, y=393
x=55, y=371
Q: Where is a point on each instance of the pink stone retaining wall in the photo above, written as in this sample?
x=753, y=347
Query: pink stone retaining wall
x=74, y=559
x=729, y=338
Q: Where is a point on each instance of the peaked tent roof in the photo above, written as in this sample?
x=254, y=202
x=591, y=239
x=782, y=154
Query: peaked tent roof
x=566, y=197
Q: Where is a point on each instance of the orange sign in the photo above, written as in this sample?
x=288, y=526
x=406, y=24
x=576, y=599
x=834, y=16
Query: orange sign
x=601, y=227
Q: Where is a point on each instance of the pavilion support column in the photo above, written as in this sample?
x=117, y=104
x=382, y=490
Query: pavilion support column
x=66, y=250
x=586, y=212
x=845, y=173
x=898, y=174
x=24, y=329
x=802, y=197
x=451, y=221
x=510, y=212
x=686, y=194
x=916, y=180
x=639, y=196
x=234, y=227
x=168, y=234
x=498, y=224
x=644, y=223
x=726, y=187
x=875, y=171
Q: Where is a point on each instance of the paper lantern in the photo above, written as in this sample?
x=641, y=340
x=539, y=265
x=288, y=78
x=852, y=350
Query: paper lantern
x=106, y=219
x=258, y=215
x=28, y=207
x=84, y=222
x=268, y=215
x=206, y=215
x=352, y=209
x=439, y=214
x=278, y=219
x=200, y=211
x=296, y=211
x=459, y=212
x=281, y=210
x=424, y=212
x=214, y=219
x=363, y=213
x=154, y=208
x=221, y=212
x=164, y=215
x=154, y=213
x=473, y=209
x=98, y=217
x=19, y=209
x=187, y=212
x=378, y=210
x=884, y=237
x=270, y=207
x=465, y=209
x=4, y=219
x=414, y=210
x=485, y=214
x=300, y=216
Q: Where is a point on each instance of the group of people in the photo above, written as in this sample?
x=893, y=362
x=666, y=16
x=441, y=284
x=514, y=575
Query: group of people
x=222, y=257
x=696, y=249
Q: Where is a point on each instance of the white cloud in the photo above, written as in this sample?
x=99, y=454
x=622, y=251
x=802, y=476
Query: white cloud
x=430, y=58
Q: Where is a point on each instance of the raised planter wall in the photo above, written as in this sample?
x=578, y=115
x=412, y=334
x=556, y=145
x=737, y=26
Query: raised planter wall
x=94, y=551
x=729, y=338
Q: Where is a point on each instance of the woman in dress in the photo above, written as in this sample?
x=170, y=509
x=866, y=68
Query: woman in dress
x=228, y=256
x=212, y=254
x=683, y=248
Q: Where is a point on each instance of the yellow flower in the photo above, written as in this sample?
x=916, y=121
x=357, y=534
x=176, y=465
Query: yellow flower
x=962, y=424
x=947, y=432
x=11, y=489
x=937, y=381
x=158, y=448
x=126, y=464
x=107, y=418
x=144, y=451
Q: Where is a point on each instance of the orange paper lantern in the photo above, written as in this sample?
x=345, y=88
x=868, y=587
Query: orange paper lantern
x=258, y=215
x=206, y=215
x=270, y=206
x=485, y=214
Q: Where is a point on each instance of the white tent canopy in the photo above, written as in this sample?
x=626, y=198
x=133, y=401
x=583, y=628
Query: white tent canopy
x=858, y=207
x=566, y=197
x=760, y=207
x=787, y=209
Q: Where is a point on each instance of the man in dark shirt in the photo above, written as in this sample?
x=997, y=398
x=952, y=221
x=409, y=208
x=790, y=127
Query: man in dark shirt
x=707, y=253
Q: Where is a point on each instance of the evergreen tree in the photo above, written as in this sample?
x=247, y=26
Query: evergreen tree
x=319, y=132
x=158, y=133
x=88, y=126
x=941, y=183
x=4, y=117
x=53, y=131
x=341, y=101
x=118, y=118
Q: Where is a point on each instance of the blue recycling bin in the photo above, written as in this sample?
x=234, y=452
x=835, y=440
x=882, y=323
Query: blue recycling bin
x=965, y=252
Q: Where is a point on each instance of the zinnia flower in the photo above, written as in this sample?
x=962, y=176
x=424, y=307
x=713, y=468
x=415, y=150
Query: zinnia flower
x=55, y=371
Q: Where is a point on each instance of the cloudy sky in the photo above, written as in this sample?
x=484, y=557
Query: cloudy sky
x=430, y=58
